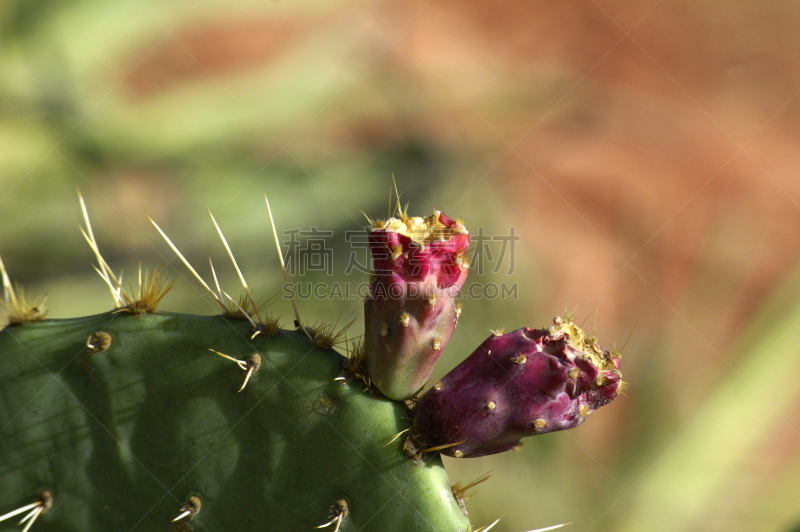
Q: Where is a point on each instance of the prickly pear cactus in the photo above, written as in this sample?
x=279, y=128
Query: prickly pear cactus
x=142, y=420
x=125, y=417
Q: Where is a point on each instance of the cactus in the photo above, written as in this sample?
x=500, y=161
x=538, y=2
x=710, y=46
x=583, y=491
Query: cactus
x=137, y=419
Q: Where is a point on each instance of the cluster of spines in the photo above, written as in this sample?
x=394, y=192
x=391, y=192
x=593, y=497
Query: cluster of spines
x=44, y=501
x=17, y=305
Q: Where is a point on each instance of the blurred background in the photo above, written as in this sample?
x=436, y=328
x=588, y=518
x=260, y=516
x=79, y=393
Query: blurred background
x=634, y=162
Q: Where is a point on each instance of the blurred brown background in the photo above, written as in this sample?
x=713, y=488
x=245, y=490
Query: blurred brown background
x=645, y=153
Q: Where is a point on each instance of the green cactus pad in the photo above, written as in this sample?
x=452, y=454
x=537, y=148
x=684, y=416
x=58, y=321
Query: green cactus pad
x=124, y=427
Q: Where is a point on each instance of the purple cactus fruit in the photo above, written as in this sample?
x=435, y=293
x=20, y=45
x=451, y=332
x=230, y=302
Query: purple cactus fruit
x=410, y=313
x=524, y=383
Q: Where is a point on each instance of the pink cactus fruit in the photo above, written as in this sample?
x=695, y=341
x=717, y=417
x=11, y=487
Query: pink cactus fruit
x=524, y=383
x=411, y=313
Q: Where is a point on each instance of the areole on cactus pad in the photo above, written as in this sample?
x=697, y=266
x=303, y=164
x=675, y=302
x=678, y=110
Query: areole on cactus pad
x=131, y=420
